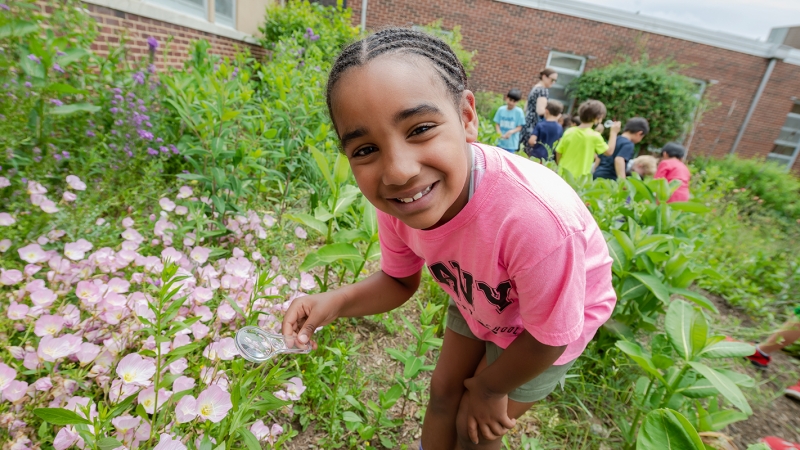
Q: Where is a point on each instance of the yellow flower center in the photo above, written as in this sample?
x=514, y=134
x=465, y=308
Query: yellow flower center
x=206, y=410
x=128, y=377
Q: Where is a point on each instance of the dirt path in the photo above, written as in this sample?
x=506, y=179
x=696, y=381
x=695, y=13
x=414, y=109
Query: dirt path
x=773, y=413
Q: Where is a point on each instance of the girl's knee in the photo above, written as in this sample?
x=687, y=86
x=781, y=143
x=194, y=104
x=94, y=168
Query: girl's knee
x=445, y=395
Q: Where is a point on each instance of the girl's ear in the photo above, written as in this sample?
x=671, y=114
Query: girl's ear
x=469, y=116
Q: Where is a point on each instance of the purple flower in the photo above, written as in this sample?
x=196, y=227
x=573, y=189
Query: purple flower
x=151, y=151
x=174, y=149
x=159, y=140
x=4, y=6
x=163, y=149
x=56, y=156
x=60, y=53
x=143, y=108
x=112, y=146
x=117, y=91
x=152, y=43
x=314, y=38
x=90, y=133
x=66, y=154
x=114, y=110
x=37, y=151
x=57, y=68
x=138, y=77
x=146, y=135
x=35, y=59
x=151, y=68
x=56, y=102
x=28, y=84
x=114, y=132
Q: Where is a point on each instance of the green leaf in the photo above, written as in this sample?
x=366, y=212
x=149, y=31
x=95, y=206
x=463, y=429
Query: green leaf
x=698, y=299
x=71, y=55
x=370, y=219
x=625, y=242
x=309, y=221
x=60, y=416
x=632, y=288
x=699, y=332
x=654, y=284
x=73, y=108
x=666, y=429
x=727, y=349
x=722, y=419
x=108, y=443
x=205, y=444
x=619, y=260
x=250, y=440
x=184, y=349
x=413, y=367
x=759, y=446
x=640, y=357
x=350, y=416
x=64, y=89
x=678, y=325
x=724, y=385
x=17, y=28
x=323, y=166
x=341, y=169
x=692, y=207
x=123, y=405
x=333, y=252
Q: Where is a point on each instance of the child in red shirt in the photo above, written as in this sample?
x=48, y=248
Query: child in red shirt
x=672, y=167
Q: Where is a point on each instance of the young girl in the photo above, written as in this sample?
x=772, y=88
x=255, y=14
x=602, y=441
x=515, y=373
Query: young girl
x=525, y=264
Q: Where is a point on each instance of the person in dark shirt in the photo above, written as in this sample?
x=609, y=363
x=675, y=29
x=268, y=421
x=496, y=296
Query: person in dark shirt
x=613, y=167
x=546, y=133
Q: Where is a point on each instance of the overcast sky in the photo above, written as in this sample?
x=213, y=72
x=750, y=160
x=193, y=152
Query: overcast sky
x=751, y=18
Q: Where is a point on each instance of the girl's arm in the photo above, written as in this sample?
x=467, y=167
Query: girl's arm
x=497, y=127
x=376, y=294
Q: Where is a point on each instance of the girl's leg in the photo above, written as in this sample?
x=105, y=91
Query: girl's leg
x=515, y=411
x=458, y=360
x=788, y=333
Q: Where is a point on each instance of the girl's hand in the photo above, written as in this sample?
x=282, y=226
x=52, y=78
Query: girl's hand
x=305, y=315
x=487, y=413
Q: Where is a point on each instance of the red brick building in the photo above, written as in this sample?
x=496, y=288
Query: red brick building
x=516, y=39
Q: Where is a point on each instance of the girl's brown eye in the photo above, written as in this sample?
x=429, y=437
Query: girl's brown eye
x=421, y=129
x=364, y=151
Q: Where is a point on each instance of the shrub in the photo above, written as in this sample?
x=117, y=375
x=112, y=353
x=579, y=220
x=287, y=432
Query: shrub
x=653, y=91
x=769, y=182
x=453, y=38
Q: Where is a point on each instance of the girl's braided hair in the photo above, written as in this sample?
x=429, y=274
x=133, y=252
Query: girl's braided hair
x=401, y=40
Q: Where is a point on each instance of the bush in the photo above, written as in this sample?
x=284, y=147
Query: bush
x=653, y=91
x=453, y=39
x=769, y=182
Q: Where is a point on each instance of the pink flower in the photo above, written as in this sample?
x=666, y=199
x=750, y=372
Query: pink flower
x=166, y=442
x=88, y=353
x=48, y=206
x=76, y=183
x=147, y=398
x=184, y=192
x=7, y=375
x=10, y=277
x=294, y=388
x=100, y=222
x=307, y=281
x=238, y=267
x=5, y=244
x=300, y=232
x=6, y=220
x=225, y=312
x=127, y=222
x=43, y=297
x=4, y=182
x=166, y=204
x=69, y=196
x=52, y=349
x=181, y=210
x=186, y=409
x=74, y=251
x=35, y=188
x=126, y=423
x=170, y=254
x=199, y=255
x=118, y=285
x=183, y=383
x=179, y=365
x=260, y=430
x=120, y=391
x=48, y=325
x=200, y=330
x=202, y=294
x=66, y=438
x=213, y=404
x=43, y=384
x=88, y=292
x=132, y=235
x=133, y=369
x=32, y=253
x=269, y=221
x=15, y=391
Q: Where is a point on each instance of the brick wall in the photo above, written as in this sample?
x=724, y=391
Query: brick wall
x=113, y=24
x=513, y=43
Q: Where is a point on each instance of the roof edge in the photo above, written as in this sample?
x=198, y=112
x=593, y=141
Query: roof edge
x=654, y=25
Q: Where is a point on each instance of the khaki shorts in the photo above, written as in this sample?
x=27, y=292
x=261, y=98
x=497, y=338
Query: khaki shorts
x=534, y=390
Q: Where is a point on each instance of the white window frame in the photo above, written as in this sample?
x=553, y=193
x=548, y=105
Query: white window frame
x=789, y=160
x=183, y=7
x=561, y=70
x=225, y=23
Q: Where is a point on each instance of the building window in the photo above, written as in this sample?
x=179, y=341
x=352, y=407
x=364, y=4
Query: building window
x=224, y=10
x=568, y=67
x=787, y=146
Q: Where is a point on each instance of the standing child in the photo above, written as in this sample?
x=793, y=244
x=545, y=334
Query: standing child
x=672, y=167
x=613, y=167
x=525, y=301
x=508, y=121
x=547, y=132
x=576, y=151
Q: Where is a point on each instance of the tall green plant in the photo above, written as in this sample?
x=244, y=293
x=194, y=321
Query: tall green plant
x=656, y=92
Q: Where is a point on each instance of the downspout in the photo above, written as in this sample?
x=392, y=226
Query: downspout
x=363, y=16
x=761, y=87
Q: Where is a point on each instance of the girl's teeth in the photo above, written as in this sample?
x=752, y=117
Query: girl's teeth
x=416, y=197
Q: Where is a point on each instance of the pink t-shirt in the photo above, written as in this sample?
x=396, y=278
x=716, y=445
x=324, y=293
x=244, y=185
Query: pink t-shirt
x=523, y=254
x=675, y=169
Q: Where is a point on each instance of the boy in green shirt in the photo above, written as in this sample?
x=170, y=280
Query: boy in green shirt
x=577, y=150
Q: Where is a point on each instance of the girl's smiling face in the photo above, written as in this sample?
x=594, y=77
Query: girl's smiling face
x=407, y=142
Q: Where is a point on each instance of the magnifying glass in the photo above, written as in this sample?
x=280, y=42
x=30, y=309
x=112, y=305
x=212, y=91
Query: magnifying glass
x=608, y=123
x=256, y=345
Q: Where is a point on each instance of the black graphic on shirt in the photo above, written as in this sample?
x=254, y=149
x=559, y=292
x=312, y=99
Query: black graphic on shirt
x=462, y=285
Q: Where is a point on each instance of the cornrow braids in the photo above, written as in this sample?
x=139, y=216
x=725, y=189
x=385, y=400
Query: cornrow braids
x=401, y=41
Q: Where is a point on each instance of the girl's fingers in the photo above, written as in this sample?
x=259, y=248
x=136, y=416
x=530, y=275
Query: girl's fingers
x=497, y=429
x=487, y=432
x=472, y=429
x=507, y=423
